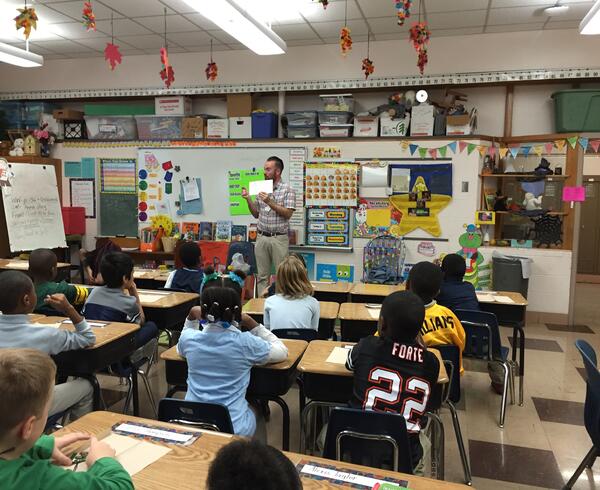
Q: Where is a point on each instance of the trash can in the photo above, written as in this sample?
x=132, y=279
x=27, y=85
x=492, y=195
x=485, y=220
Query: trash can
x=510, y=273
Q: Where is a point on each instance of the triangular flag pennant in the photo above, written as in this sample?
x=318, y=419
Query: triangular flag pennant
x=470, y=148
x=482, y=150
x=413, y=148
x=560, y=144
x=525, y=150
x=433, y=153
x=503, y=152
x=595, y=144
x=572, y=141
x=462, y=145
x=549, y=147
x=514, y=151
x=452, y=147
x=538, y=150
x=404, y=145
x=584, y=142
x=422, y=152
x=492, y=150
x=443, y=151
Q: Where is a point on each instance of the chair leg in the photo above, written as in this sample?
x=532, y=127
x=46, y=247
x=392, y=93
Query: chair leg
x=437, y=444
x=504, y=395
x=460, y=443
x=591, y=462
x=129, y=381
x=589, y=457
x=144, y=377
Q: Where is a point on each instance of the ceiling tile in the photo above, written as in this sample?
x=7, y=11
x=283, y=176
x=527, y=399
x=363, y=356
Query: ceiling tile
x=356, y=39
x=332, y=29
x=133, y=8
x=74, y=9
x=191, y=38
x=132, y=52
x=223, y=37
x=74, y=30
x=179, y=6
x=450, y=6
x=522, y=3
x=46, y=14
x=453, y=20
x=564, y=24
x=37, y=48
x=314, y=11
x=386, y=25
x=123, y=27
x=515, y=27
x=65, y=46
x=397, y=36
x=201, y=21
x=149, y=41
x=175, y=23
x=100, y=43
x=374, y=8
x=516, y=15
x=304, y=42
x=464, y=31
x=291, y=32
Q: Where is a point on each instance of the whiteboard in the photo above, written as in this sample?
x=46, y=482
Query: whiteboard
x=212, y=166
x=32, y=208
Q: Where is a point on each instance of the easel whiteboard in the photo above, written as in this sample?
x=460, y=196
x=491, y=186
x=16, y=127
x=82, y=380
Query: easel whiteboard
x=32, y=208
x=212, y=166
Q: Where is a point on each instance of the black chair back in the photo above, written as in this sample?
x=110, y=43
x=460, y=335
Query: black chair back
x=592, y=397
x=307, y=334
x=208, y=416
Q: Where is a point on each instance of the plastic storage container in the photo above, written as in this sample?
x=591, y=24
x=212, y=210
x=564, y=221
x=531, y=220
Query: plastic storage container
x=111, y=127
x=577, y=110
x=33, y=111
x=335, y=130
x=264, y=125
x=158, y=127
x=302, y=132
x=507, y=274
x=337, y=102
x=301, y=118
x=335, y=117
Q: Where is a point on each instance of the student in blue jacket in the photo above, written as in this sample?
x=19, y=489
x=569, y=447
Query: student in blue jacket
x=455, y=292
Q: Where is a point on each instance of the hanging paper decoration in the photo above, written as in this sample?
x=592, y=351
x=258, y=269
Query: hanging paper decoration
x=345, y=40
x=367, y=64
x=112, y=55
x=324, y=3
x=403, y=10
x=26, y=20
x=166, y=74
x=211, y=69
x=419, y=36
x=89, y=18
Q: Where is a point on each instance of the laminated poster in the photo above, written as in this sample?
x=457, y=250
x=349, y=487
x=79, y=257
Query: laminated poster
x=331, y=184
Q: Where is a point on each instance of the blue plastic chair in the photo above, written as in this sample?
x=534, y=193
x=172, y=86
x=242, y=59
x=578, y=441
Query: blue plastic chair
x=483, y=342
x=307, y=334
x=591, y=410
x=208, y=416
x=359, y=435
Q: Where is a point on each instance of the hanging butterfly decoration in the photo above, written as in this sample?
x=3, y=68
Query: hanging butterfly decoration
x=111, y=51
x=367, y=64
x=166, y=74
x=26, y=19
x=419, y=36
x=211, y=69
x=403, y=10
x=345, y=40
x=89, y=17
x=324, y=3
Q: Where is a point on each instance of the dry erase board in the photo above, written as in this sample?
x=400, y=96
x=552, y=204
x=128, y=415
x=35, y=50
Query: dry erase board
x=32, y=208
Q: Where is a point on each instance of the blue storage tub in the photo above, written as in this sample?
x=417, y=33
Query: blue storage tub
x=264, y=125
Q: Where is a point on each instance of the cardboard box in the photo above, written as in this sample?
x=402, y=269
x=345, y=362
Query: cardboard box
x=240, y=127
x=193, y=127
x=172, y=106
x=217, y=128
x=365, y=126
x=239, y=105
x=62, y=114
x=459, y=125
x=422, y=120
x=393, y=127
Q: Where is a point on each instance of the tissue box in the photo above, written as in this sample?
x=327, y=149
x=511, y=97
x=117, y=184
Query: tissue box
x=422, y=120
x=458, y=125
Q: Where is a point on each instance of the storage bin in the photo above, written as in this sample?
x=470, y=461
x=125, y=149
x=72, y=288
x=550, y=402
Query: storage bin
x=73, y=220
x=33, y=111
x=507, y=274
x=337, y=102
x=240, y=127
x=111, y=127
x=301, y=118
x=158, y=127
x=302, y=132
x=335, y=130
x=394, y=127
x=217, y=128
x=335, y=117
x=577, y=110
x=365, y=126
x=145, y=108
x=264, y=125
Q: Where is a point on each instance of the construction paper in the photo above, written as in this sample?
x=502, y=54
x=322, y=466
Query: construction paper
x=338, y=356
x=88, y=168
x=73, y=170
x=576, y=194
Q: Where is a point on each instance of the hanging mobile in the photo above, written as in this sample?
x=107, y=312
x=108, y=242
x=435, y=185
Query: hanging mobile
x=403, y=10
x=26, y=19
x=89, y=18
x=419, y=36
x=367, y=64
x=111, y=52
x=345, y=37
x=211, y=69
x=167, y=74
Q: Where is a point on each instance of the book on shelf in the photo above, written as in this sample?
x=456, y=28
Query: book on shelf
x=207, y=230
x=239, y=233
x=223, y=231
x=190, y=231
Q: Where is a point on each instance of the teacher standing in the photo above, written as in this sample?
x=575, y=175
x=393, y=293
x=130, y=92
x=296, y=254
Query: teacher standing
x=273, y=212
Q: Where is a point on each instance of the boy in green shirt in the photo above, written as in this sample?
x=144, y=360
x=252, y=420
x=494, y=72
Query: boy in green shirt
x=42, y=268
x=31, y=462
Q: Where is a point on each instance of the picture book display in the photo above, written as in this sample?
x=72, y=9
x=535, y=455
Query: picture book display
x=331, y=184
x=223, y=231
x=239, y=233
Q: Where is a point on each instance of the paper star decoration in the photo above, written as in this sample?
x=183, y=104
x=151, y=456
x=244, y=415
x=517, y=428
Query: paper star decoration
x=26, y=20
x=167, y=74
x=89, y=18
x=112, y=55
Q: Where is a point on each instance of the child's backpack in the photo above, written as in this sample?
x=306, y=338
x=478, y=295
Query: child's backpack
x=383, y=260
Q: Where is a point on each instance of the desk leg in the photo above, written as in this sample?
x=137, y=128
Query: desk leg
x=286, y=422
x=136, y=399
x=519, y=335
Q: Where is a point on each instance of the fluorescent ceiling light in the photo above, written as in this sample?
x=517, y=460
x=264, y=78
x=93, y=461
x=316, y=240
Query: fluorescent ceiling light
x=556, y=10
x=239, y=23
x=19, y=57
x=591, y=22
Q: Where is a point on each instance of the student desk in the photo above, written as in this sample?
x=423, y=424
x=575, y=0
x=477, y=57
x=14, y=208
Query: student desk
x=332, y=291
x=512, y=315
x=150, y=278
x=63, y=269
x=186, y=467
x=268, y=382
x=373, y=293
x=114, y=342
x=357, y=321
x=328, y=314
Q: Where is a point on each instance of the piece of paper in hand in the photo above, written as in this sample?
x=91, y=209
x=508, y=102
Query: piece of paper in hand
x=338, y=355
x=190, y=190
x=258, y=186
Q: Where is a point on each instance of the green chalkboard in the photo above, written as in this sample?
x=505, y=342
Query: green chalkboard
x=118, y=214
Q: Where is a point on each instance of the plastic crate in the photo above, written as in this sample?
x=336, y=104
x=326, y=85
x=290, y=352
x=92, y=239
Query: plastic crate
x=111, y=127
x=264, y=125
x=577, y=110
x=335, y=117
x=302, y=132
x=337, y=102
x=158, y=127
x=301, y=118
x=74, y=220
x=335, y=130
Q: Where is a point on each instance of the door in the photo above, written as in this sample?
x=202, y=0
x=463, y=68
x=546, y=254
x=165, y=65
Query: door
x=589, y=231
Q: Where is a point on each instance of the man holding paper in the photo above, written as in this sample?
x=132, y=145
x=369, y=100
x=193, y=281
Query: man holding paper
x=274, y=207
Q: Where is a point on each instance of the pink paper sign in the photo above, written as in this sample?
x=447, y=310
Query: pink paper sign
x=573, y=194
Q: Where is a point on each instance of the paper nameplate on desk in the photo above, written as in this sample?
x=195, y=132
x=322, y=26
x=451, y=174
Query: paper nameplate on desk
x=374, y=313
x=259, y=186
x=50, y=325
x=150, y=298
x=338, y=355
x=316, y=283
x=503, y=299
x=91, y=324
x=485, y=298
x=354, y=478
x=167, y=435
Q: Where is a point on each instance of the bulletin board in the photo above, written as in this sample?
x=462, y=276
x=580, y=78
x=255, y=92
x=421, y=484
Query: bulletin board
x=212, y=166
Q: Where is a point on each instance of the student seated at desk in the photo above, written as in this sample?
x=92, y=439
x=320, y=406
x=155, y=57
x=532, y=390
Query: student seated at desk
x=30, y=460
x=221, y=355
x=92, y=260
x=248, y=465
x=293, y=306
x=272, y=289
x=393, y=372
x=111, y=302
x=441, y=326
x=232, y=280
x=189, y=277
x=17, y=300
x=455, y=292
x=42, y=267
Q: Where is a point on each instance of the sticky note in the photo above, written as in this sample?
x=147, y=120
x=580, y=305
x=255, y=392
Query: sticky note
x=169, y=188
x=168, y=176
x=167, y=165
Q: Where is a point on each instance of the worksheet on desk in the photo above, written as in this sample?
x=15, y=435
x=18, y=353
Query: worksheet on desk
x=151, y=297
x=503, y=299
x=338, y=355
x=485, y=298
x=374, y=313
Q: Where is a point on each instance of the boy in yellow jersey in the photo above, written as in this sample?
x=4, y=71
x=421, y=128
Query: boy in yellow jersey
x=441, y=326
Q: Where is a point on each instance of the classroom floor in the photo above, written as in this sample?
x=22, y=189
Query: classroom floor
x=542, y=442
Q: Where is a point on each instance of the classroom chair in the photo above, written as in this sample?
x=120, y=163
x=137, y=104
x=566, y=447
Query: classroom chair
x=307, y=334
x=138, y=363
x=591, y=410
x=207, y=416
x=360, y=437
x=483, y=342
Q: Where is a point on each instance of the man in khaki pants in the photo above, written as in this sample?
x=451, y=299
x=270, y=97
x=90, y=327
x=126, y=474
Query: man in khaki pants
x=273, y=212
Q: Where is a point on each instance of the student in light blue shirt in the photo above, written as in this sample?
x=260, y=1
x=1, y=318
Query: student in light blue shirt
x=293, y=305
x=221, y=355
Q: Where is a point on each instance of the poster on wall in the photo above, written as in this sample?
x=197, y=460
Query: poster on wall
x=374, y=217
x=331, y=184
x=335, y=273
x=83, y=194
x=156, y=181
x=118, y=175
x=328, y=227
x=419, y=193
x=238, y=179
